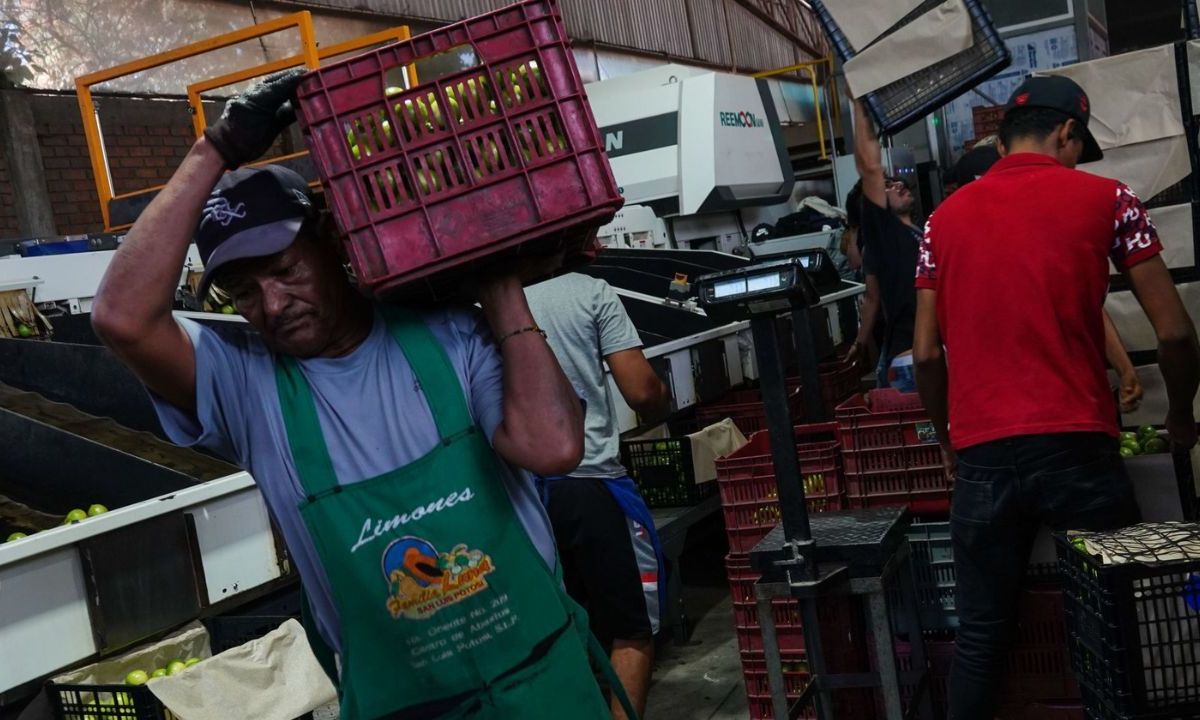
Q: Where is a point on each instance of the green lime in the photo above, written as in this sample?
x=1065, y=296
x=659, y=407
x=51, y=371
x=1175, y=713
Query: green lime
x=24, y=330
x=228, y=310
x=1127, y=452
x=159, y=672
x=191, y=661
x=137, y=677
x=16, y=536
x=96, y=509
x=1147, y=431
x=75, y=516
x=1128, y=437
x=1155, y=445
x=175, y=667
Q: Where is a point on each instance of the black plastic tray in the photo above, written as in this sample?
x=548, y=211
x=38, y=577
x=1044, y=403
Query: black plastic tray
x=902, y=103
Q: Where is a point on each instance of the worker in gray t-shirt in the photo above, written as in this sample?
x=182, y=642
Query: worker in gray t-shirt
x=610, y=555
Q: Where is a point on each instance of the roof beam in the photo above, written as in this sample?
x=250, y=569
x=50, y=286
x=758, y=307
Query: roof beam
x=792, y=19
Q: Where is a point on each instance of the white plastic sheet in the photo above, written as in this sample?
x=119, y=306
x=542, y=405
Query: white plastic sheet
x=1147, y=168
x=275, y=677
x=941, y=33
x=1134, y=96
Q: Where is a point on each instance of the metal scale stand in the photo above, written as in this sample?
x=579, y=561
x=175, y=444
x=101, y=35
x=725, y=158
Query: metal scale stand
x=853, y=552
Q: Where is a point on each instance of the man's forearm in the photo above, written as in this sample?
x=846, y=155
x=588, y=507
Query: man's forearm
x=932, y=384
x=140, y=283
x=870, y=315
x=1114, y=349
x=542, y=428
x=1179, y=361
x=868, y=153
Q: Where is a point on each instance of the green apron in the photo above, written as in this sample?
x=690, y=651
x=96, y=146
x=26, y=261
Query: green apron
x=446, y=607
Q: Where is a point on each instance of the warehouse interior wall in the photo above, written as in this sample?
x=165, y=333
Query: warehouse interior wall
x=145, y=140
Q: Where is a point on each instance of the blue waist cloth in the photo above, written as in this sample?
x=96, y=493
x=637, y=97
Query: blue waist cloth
x=625, y=492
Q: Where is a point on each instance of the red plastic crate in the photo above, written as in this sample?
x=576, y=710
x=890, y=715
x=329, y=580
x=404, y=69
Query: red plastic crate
x=891, y=453
x=502, y=157
x=746, y=409
x=749, y=495
x=940, y=655
x=789, y=628
x=758, y=689
x=1039, y=663
x=839, y=380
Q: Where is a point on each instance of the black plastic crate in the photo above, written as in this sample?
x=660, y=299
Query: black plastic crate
x=1134, y=632
x=663, y=471
x=933, y=573
x=1178, y=194
x=230, y=631
x=906, y=101
x=105, y=702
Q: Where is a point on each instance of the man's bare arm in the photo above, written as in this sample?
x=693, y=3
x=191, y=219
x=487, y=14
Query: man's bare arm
x=131, y=312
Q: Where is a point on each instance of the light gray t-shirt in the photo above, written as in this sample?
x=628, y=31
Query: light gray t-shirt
x=585, y=322
x=372, y=412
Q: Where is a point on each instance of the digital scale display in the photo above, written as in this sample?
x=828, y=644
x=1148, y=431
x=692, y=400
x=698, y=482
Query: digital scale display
x=743, y=286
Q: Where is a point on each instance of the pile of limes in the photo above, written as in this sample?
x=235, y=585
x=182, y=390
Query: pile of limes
x=1146, y=441
x=72, y=517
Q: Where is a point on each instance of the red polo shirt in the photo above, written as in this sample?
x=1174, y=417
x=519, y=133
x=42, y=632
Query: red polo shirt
x=1019, y=260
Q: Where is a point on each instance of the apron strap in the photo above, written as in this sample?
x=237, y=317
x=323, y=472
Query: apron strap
x=430, y=363
x=432, y=368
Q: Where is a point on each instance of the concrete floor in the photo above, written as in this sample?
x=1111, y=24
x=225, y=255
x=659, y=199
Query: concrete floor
x=701, y=680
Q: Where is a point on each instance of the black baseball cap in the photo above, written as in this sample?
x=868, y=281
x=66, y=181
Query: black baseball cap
x=1063, y=94
x=974, y=165
x=252, y=212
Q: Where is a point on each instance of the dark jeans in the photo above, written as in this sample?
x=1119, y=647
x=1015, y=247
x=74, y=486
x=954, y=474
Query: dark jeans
x=1004, y=490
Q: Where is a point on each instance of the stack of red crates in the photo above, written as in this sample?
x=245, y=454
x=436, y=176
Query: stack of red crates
x=891, y=453
x=839, y=380
x=750, y=502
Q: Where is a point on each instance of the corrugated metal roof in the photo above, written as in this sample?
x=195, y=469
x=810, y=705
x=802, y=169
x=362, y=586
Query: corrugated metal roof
x=653, y=26
x=661, y=26
x=709, y=32
x=755, y=45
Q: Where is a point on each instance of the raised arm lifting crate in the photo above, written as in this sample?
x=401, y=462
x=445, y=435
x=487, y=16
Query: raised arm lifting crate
x=502, y=157
x=902, y=103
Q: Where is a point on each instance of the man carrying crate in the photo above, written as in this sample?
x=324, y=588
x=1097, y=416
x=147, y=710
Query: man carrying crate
x=1009, y=352
x=384, y=441
x=612, y=562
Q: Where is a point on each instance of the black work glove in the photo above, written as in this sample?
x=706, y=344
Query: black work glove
x=253, y=120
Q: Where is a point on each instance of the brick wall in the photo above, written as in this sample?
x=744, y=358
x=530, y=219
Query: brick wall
x=145, y=141
x=69, y=183
x=8, y=212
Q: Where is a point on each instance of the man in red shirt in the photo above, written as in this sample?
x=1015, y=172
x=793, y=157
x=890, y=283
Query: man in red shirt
x=1009, y=350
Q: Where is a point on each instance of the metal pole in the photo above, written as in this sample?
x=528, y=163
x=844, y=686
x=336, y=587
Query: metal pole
x=779, y=424
x=806, y=359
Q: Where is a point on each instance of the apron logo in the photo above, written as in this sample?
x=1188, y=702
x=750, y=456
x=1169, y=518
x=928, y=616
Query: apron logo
x=422, y=581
